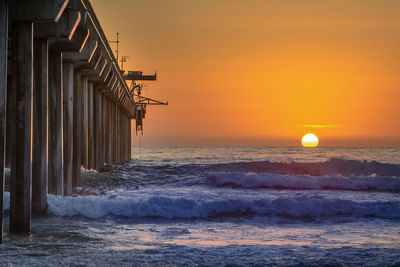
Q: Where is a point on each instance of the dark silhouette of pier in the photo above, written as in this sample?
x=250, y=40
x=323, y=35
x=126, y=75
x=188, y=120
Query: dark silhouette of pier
x=64, y=102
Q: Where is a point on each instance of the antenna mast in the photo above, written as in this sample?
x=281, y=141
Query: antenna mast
x=116, y=42
x=123, y=59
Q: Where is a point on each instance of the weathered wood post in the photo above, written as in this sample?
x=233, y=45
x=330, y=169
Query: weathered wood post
x=3, y=101
x=40, y=130
x=21, y=128
x=68, y=91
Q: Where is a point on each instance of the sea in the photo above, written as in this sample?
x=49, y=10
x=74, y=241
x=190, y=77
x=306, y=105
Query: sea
x=223, y=206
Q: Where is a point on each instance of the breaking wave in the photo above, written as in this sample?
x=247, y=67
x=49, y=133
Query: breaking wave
x=303, y=208
x=304, y=182
x=333, y=166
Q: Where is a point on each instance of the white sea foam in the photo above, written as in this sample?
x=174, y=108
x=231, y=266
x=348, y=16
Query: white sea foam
x=332, y=182
x=169, y=207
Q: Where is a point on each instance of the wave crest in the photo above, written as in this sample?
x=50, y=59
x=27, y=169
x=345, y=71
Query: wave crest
x=333, y=166
x=307, y=208
x=305, y=182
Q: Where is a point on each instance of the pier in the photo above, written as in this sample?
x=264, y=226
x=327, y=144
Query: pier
x=64, y=102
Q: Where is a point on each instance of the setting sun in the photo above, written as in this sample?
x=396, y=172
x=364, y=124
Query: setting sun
x=309, y=140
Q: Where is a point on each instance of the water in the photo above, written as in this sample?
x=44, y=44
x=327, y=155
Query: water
x=225, y=206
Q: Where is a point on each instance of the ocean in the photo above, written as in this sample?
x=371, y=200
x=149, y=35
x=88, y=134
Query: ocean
x=224, y=206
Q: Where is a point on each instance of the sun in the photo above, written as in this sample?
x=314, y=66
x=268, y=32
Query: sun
x=309, y=140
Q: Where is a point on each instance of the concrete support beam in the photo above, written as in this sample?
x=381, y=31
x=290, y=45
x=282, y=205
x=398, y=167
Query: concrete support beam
x=107, y=150
x=63, y=30
x=122, y=143
x=37, y=10
x=102, y=123
x=126, y=141
x=68, y=93
x=91, y=160
x=56, y=157
x=8, y=118
x=125, y=144
x=21, y=128
x=85, y=123
x=111, y=131
x=84, y=58
x=96, y=128
x=40, y=130
x=94, y=68
x=118, y=135
x=115, y=133
x=77, y=130
x=129, y=139
x=3, y=101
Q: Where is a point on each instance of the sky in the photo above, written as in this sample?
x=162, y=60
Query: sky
x=263, y=72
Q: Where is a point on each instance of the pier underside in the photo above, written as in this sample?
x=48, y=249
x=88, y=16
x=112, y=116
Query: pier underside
x=64, y=103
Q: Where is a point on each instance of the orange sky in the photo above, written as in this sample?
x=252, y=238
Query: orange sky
x=261, y=72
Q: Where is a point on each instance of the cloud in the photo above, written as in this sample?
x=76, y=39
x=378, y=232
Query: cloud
x=320, y=126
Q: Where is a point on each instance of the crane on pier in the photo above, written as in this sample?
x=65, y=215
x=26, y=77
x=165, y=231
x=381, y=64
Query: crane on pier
x=141, y=101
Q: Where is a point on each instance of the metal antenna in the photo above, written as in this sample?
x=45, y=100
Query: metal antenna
x=123, y=59
x=116, y=42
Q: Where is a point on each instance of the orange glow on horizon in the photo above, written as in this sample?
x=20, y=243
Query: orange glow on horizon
x=250, y=72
